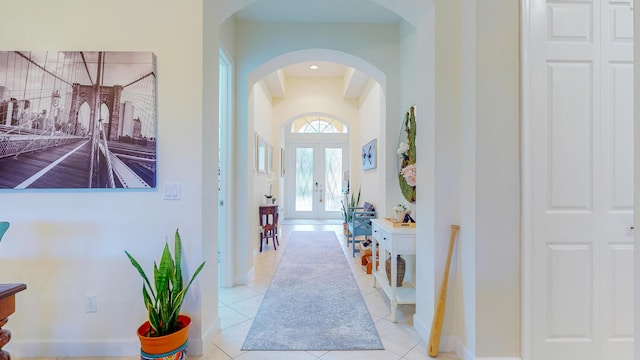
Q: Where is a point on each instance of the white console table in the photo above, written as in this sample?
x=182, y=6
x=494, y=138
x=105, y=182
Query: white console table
x=393, y=241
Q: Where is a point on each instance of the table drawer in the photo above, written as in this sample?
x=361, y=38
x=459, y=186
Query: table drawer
x=382, y=236
x=376, y=231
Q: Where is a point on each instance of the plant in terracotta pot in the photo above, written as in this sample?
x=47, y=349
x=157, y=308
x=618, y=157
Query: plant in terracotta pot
x=164, y=334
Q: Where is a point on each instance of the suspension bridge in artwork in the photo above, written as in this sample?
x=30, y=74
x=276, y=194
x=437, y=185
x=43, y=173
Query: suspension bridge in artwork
x=77, y=120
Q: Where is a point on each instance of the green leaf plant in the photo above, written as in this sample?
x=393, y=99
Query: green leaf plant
x=353, y=202
x=164, y=299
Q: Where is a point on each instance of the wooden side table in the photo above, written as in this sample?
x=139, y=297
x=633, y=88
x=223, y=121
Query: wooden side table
x=269, y=224
x=7, y=307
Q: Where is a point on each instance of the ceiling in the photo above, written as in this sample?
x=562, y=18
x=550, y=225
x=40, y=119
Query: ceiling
x=324, y=11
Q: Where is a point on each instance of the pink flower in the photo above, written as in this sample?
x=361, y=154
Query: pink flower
x=409, y=174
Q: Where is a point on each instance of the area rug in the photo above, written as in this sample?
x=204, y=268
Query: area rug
x=313, y=301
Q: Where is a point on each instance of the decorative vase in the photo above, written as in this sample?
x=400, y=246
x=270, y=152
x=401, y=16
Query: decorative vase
x=401, y=268
x=267, y=201
x=168, y=347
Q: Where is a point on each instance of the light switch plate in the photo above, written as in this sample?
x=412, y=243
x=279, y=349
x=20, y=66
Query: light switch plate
x=172, y=191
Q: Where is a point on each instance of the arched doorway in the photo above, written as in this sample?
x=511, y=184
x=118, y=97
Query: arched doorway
x=256, y=62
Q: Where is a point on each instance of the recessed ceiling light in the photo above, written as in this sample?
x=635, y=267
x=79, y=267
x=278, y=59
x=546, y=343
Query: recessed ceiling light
x=314, y=67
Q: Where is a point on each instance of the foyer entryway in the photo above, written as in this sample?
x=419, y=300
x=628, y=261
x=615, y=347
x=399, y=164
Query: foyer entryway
x=580, y=167
x=313, y=187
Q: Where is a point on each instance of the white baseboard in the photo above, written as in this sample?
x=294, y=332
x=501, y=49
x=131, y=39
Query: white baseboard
x=195, y=347
x=421, y=327
x=242, y=279
x=447, y=343
x=117, y=347
x=209, y=335
x=463, y=352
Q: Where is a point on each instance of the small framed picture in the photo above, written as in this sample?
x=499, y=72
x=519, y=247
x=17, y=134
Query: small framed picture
x=369, y=155
x=270, y=158
x=261, y=155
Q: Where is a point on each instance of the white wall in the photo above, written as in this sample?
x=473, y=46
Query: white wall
x=369, y=125
x=467, y=243
x=490, y=193
x=498, y=179
x=261, y=111
x=447, y=198
x=417, y=69
x=66, y=244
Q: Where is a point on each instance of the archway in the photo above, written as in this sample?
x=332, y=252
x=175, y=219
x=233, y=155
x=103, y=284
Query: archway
x=420, y=17
x=366, y=118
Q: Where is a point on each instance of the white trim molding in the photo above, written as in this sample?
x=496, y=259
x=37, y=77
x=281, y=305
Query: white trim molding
x=463, y=352
x=526, y=249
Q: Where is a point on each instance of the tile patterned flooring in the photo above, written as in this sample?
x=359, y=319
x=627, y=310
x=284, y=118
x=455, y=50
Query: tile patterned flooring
x=239, y=305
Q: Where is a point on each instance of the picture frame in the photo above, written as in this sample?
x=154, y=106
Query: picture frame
x=269, y=158
x=281, y=162
x=369, y=155
x=261, y=154
x=54, y=111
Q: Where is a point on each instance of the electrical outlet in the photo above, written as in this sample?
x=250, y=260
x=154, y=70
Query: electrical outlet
x=91, y=303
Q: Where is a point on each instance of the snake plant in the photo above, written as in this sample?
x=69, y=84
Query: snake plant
x=164, y=299
x=353, y=202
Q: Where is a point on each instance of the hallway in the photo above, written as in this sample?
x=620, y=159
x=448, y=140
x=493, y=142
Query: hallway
x=239, y=305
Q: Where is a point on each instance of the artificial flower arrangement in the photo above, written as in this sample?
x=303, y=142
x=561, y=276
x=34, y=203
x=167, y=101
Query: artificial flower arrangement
x=400, y=208
x=407, y=152
x=400, y=212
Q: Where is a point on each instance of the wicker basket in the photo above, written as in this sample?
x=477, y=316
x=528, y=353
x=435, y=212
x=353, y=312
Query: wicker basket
x=402, y=266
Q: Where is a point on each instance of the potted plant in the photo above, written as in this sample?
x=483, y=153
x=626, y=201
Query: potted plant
x=346, y=217
x=164, y=334
x=400, y=211
x=269, y=199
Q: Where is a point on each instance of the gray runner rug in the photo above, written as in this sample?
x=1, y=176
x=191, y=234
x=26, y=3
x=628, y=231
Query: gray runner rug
x=313, y=301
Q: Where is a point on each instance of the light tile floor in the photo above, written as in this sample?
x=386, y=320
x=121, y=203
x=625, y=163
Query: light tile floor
x=239, y=305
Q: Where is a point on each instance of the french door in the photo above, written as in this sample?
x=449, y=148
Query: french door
x=313, y=187
x=581, y=150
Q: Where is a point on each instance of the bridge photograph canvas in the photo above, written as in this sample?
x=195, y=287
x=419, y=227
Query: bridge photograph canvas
x=77, y=119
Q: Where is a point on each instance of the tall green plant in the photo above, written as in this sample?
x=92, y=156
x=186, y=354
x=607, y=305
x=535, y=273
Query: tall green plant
x=353, y=202
x=164, y=299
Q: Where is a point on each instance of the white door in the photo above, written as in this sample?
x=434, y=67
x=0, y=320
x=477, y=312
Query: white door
x=581, y=150
x=314, y=186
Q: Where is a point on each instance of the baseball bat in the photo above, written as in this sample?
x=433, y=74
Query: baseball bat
x=438, y=316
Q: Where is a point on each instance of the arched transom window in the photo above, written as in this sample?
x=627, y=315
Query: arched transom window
x=318, y=125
